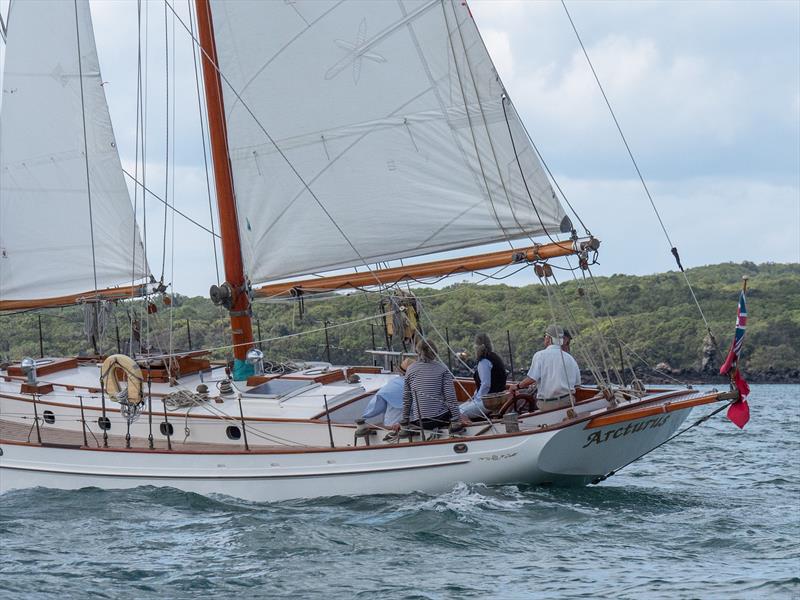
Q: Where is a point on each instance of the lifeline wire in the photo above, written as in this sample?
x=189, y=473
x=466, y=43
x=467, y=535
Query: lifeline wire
x=290, y=335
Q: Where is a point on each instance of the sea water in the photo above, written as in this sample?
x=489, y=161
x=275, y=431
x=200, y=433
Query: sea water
x=714, y=514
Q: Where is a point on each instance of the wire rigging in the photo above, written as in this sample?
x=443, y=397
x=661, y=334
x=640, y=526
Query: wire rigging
x=166, y=140
x=521, y=172
x=202, y=121
x=92, y=308
x=616, y=122
x=272, y=141
x=549, y=172
x=471, y=127
x=136, y=157
x=138, y=183
x=144, y=96
x=486, y=125
x=673, y=248
x=619, y=338
x=172, y=235
x=85, y=144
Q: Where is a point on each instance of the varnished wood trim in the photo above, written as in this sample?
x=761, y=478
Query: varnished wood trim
x=364, y=369
x=640, y=413
x=436, y=268
x=54, y=365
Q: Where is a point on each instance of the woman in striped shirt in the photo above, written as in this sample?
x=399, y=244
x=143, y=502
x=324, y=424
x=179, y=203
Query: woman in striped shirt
x=429, y=390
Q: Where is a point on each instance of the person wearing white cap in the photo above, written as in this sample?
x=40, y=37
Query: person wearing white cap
x=555, y=373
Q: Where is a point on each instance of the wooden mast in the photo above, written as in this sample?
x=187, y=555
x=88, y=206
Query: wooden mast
x=437, y=268
x=239, y=304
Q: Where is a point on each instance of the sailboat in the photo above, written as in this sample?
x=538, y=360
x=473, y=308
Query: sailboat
x=345, y=136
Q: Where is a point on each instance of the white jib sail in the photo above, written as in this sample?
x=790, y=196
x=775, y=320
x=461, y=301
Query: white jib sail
x=45, y=227
x=393, y=113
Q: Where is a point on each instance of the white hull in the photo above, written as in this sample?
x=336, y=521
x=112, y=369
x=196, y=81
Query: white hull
x=569, y=455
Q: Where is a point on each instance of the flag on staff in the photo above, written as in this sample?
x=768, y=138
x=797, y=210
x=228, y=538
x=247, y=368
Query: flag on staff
x=739, y=412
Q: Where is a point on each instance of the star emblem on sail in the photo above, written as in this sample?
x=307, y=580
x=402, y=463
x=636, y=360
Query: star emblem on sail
x=356, y=52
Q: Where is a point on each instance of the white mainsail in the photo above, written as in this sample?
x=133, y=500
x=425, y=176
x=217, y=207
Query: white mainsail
x=46, y=232
x=394, y=115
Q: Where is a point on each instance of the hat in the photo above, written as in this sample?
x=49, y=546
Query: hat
x=555, y=332
x=407, y=362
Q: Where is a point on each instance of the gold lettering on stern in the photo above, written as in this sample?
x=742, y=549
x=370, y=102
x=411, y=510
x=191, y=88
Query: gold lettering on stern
x=598, y=437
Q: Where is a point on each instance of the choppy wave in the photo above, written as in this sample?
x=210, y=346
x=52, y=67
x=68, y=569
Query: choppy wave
x=716, y=515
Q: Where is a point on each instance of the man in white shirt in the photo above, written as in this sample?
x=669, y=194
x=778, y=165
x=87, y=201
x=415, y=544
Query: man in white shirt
x=555, y=373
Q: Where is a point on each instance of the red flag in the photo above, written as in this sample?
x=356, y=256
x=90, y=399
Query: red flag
x=739, y=413
x=741, y=384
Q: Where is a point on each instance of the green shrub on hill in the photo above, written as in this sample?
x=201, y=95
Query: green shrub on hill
x=653, y=317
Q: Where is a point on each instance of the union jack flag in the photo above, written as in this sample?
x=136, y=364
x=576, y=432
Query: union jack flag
x=738, y=338
x=739, y=412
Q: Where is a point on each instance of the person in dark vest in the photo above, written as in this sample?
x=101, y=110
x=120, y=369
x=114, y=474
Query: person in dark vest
x=567, y=339
x=490, y=376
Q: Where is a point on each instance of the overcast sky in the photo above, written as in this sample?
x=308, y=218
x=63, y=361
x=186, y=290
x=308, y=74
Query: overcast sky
x=707, y=93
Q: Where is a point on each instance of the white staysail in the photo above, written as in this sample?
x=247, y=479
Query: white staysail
x=394, y=115
x=47, y=222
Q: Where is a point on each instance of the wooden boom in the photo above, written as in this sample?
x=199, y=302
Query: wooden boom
x=439, y=268
x=118, y=293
